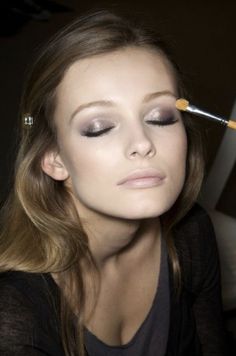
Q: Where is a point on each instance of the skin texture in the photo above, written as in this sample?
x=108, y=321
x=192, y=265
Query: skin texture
x=121, y=220
x=96, y=165
x=93, y=167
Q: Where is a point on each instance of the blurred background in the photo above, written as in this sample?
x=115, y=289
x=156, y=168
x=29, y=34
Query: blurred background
x=203, y=38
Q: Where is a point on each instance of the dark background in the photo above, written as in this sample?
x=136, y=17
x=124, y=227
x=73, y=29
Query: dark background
x=227, y=201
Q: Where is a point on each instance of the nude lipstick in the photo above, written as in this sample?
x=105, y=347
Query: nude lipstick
x=142, y=179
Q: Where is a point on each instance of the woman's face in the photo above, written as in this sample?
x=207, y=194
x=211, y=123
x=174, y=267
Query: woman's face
x=122, y=143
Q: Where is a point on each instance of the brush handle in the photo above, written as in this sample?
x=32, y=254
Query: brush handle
x=194, y=110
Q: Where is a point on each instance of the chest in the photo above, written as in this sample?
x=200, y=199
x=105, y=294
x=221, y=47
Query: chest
x=123, y=304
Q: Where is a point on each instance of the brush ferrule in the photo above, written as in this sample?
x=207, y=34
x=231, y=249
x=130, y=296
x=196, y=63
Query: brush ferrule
x=193, y=109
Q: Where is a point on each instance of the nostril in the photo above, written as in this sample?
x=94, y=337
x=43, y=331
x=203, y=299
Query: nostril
x=143, y=151
x=140, y=144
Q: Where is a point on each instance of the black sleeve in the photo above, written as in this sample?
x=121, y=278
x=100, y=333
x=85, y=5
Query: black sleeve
x=21, y=327
x=207, y=288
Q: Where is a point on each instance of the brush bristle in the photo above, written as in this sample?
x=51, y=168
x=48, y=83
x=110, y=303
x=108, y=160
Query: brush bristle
x=181, y=104
x=232, y=124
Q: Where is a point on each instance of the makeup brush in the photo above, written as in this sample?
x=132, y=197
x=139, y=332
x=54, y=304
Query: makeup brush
x=183, y=105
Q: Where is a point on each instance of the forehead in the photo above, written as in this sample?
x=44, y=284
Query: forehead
x=127, y=73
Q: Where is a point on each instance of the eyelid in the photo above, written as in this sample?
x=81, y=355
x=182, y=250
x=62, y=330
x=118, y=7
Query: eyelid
x=162, y=116
x=154, y=112
x=96, y=133
x=161, y=112
x=168, y=121
x=95, y=127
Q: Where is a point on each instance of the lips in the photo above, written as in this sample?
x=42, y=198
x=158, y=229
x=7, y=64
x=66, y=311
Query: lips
x=142, y=179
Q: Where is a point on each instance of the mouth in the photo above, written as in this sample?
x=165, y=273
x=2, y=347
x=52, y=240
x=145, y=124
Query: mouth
x=143, y=179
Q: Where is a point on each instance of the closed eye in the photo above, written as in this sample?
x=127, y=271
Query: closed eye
x=163, y=121
x=96, y=133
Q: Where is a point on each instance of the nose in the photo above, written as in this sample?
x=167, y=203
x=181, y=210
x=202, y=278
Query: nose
x=140, y=145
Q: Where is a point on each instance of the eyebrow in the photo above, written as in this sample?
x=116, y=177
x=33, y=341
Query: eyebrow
x=110, y=103
x=156, y=94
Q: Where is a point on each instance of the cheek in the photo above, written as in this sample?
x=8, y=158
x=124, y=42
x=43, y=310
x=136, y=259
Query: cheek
x=181, y=141
x=180, y=159
x=176, y=147
x=181, y=150
x=176, y=158
x=184, y=146
x=180, y=154
x=86, y=165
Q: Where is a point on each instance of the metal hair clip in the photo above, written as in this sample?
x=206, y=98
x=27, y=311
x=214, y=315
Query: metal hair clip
x=28, y=120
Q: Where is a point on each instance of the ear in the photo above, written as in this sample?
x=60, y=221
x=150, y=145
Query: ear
x=53, y=166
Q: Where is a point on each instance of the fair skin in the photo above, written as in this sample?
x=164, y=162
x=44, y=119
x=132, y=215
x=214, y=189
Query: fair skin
x=123, y=159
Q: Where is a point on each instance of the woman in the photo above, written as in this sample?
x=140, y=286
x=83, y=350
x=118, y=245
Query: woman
x=101, y=252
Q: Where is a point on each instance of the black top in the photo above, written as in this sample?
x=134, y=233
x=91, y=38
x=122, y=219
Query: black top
x=29, y=303
x=151, y=337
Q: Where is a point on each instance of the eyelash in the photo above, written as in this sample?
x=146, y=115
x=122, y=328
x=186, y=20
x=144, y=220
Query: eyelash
x=91, y=133
x=166, y=122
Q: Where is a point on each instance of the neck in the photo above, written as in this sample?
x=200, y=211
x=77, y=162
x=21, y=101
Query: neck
x=112, y=240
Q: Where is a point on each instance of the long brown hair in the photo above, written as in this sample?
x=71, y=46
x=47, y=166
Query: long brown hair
x=41, y=227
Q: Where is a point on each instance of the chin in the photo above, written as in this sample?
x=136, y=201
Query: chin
x=144, y=213
x=149, y=208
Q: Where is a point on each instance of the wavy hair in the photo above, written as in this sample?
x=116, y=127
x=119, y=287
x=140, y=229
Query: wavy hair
x=41, y=229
